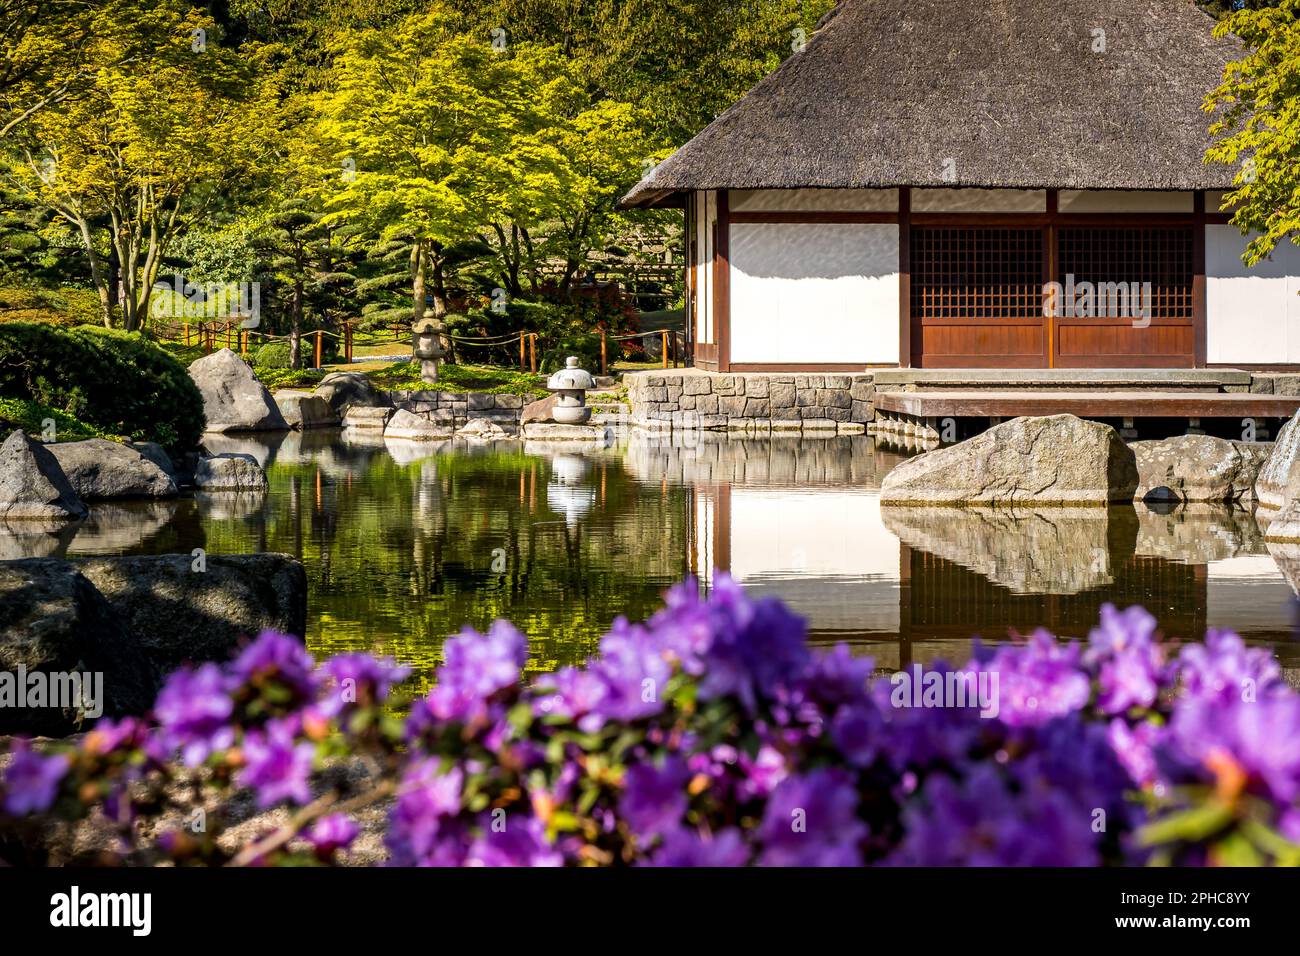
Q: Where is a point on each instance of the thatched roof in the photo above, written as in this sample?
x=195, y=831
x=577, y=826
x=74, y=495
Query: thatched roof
x=1010, y=90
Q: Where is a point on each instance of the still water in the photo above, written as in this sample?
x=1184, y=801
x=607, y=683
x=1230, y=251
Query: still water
x=406, y=542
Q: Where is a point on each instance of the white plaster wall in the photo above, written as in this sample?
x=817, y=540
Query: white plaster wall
x=1252, y=315
x=814, y=292
x=1124, y=200
x=979, y=200
x=706, y=213
x=814, y=200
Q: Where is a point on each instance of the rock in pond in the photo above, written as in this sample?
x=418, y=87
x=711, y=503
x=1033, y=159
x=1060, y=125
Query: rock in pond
x=229, y=473
x=54, y=621
x=413, y=427
x=98, y=468
x=233, y=399
x=305, y=410
x=1051, y=461
x=368, y=416
x=1194, y=468
x=33, y=485
x=179, y=608
x=1275, y=475
x=482, y=429
x=343, y=390
x=541, y=410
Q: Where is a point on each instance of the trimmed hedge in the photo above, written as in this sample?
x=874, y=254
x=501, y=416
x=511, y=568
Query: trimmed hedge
x=118, y=382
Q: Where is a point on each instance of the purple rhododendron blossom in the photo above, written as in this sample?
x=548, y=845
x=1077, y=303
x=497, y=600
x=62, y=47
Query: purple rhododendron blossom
x=475, y=667
x=654, y=798
x=421, y=829
x=193, y=710
x=1037, y=681
x=512, y=840
x=1130, y=664
x=1224, y=666
x=332, y=833
x=635, y=671
x=31, y=781
x=281, y=658
x=685, y=847
x=812, y=820
x=359, y=678
x=1261, y=737
x=277, y=765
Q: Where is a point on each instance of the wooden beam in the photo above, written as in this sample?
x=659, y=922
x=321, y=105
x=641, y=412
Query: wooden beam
x=1199, y=291
x=722, y=284
x=905, y=277
x=1135, y=403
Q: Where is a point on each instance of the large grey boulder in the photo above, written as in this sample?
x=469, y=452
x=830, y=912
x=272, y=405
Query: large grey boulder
x=303, y=410
x=177, y=608
x=33, y=485
x=1271, y=484
x=342, y=390
x=157, y=454
x=1194, y=468
x=233, y=399
x=53, y=621
x=1052, y=461
x=98, y=468
x=230, y=473
x=542, y=410
x=412, y=427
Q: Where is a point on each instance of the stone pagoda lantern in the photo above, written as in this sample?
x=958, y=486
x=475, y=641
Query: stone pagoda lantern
x=427, y=348
x=570, y=386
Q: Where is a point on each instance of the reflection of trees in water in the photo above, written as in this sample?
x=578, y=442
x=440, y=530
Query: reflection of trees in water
x=399, y=556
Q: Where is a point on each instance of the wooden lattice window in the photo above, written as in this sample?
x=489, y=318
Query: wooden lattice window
x=1161, y=255
x=977, y=272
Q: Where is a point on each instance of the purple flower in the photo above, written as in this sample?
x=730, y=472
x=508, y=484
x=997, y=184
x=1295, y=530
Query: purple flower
x=1130, y=665
x=979, y=821
x=575, y=693
x=476, y=667
x=812, y=820
x=757, y=647
x=1261, y=738
x=1225, y=667
x=654, y=798
x=359, y=679
x=193, y=710
x=332, y=833
x=109, y=736
x=634, y=669
x=512, y=840
x=276, y=766
x=686, y=847
x=1135, y=748
x=420, y=831
x=277, y=658
x=31, y=781
x=1037, y=681
x=838, y=677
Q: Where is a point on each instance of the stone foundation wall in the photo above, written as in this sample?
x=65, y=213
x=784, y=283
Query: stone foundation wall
x=457, y=409
x=751, y=401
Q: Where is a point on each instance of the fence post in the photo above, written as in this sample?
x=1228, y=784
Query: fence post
x=604, y=365
x=664, y=336
x=532, y=352
x=319, y=334
x=347, y=340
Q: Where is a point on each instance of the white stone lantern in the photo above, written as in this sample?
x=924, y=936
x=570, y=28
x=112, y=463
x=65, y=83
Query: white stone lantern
x=570, y=386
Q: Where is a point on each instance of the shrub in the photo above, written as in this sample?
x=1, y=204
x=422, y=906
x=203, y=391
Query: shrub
x=272, y=355
x=711, y=734
x=31, y=417
x=115, y=381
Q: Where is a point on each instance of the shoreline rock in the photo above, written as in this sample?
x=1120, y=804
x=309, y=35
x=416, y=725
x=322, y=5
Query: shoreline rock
x=233, y=399
x=33, y=485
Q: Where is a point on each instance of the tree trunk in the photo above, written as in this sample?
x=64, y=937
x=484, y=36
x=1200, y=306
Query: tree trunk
x=295, y=329
x=417, y=281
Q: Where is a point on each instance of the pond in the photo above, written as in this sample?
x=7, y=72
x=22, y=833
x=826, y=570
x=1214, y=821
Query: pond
x=406, y=542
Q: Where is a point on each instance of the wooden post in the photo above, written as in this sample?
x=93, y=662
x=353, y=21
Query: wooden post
x=604, y=365
x=243, y=343
x=523, y=363
x=319, y=341
x=532, y=353
x=664, y=339
x=230, y=329
x=347, y=340
x=187, y=333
